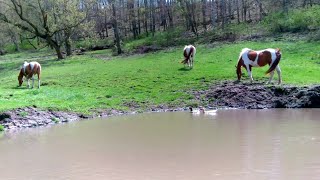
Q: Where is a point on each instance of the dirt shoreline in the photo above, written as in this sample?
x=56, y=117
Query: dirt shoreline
x=226, y=94
x=260, y=96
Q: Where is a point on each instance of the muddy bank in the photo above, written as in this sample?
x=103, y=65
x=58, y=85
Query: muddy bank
x=222, y=95
x=32, y=117
x=29, y=117
x=259, y=96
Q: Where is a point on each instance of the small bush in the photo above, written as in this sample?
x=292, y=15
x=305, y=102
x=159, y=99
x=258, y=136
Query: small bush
x=1, y=128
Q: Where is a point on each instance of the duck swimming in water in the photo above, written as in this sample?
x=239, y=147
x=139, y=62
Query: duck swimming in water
x=202, y=110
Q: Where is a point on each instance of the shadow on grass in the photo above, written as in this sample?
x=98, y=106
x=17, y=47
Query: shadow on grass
x=184, y=69
x=236, y=82
x=19, y=87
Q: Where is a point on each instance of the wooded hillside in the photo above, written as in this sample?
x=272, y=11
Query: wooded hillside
x=59, y=23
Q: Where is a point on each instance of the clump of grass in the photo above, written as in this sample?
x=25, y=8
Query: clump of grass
x=55, y=120
x=1, y=128
x=24, y=114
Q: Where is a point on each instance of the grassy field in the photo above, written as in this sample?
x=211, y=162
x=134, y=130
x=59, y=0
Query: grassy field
x=98, y=80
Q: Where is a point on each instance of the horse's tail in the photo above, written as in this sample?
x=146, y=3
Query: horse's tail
x=276, y=62
x=190, y=52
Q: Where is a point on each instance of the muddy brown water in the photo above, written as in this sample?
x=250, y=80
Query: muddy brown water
x=233, y=144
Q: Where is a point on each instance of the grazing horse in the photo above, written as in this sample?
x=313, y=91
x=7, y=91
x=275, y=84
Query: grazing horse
x=28, y=70
x=249, y=58
x=188, y=53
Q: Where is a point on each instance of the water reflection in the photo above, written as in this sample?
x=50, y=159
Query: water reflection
x=233, y=144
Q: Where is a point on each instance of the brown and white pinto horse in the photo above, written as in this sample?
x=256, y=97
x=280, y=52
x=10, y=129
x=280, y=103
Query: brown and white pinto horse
x=249, y=58
x=189, y=53
x=28, y=70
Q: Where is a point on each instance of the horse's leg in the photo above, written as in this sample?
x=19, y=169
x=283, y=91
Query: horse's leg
x=32, y=81
x=38, y=80
x=279, y=74
x=191, y=59
x=249, y=72
x=271, y=76
x=28, y=84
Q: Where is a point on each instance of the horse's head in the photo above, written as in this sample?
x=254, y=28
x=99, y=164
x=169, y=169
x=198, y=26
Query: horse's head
x=238, y=71
x=20, y=77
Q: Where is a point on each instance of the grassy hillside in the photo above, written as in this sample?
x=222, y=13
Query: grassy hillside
x=99, y=81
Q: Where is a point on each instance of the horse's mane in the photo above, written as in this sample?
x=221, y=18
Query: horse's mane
x=244, y=50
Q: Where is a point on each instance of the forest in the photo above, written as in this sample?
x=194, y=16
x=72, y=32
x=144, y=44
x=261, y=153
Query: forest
x=127, y=25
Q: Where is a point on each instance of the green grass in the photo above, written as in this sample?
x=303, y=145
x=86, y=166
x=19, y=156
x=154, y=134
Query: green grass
x=99, y=81
x=1, y=128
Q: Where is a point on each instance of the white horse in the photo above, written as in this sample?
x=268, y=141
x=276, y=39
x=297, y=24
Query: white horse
x=249, y=58
x=189, y=52
x=28, y=70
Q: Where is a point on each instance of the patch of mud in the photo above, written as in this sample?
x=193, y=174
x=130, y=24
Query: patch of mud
x=259, y=96
x=33, y=117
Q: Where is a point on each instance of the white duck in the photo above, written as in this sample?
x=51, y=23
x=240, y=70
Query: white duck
x=203, y=111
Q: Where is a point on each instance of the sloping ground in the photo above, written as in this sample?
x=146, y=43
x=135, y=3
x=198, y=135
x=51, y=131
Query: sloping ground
x=258, y=96
x=225, y=94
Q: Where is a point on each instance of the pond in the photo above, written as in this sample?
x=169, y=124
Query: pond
x=233, y=144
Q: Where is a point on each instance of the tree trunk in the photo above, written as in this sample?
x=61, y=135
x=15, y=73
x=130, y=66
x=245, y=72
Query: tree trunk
x=261, y=12
x=238, y=11
x=145, y=22
x=57, y=48
x=116, y=30
x=170, y=16
x=14, y=40
x=152, y=17
x=223, y=13
x=194, y=22
x=244, y=12
x=204, y=6
x=213, y=14
x=190, y=17
x=132, y=18
x=105, y=22
x=68, y=47
x=285, y=6
x=139, y=18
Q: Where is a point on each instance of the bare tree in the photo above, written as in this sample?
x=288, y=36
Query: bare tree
x=52, y=21
x=214, y=14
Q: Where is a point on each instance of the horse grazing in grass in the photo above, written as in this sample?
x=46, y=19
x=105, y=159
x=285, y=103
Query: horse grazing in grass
x=189, y=53
x=28, y=70
x=249, y=58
